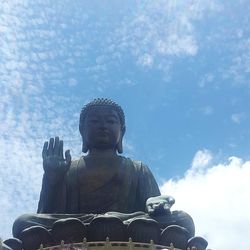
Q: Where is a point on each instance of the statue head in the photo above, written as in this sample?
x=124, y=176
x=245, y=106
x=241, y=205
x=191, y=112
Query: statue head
x=102, y=125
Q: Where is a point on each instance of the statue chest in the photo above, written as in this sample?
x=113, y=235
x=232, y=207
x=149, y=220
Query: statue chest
x=99, y=196
x=101, y=185
x=97, y=174
x=92, y=178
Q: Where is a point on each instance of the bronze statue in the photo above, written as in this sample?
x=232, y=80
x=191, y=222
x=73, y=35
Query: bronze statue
x=100, y=187
x=101, y=181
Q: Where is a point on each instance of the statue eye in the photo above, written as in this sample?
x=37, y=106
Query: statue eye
x=111, y=120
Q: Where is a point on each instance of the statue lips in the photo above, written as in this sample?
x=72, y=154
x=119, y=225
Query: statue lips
x=103, y=134
x=103, y=137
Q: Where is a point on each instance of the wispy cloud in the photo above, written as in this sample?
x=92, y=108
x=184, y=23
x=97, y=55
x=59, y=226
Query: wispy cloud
x=31, y=110
x=207, y=110
x=238, y=117
x=217, y=198
x=239, y=69
x=26, y=120
x=158, y=31
x=206, y=79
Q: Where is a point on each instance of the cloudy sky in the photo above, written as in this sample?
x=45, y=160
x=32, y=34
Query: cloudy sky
x=179, y=68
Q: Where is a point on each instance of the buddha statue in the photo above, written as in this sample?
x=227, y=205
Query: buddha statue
x=99, y=190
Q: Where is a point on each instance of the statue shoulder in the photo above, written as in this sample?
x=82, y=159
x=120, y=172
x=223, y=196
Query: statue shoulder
x=147, y=184
x=139, y=166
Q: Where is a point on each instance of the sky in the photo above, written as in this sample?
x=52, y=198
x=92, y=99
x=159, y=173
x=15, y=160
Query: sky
x=180, y=70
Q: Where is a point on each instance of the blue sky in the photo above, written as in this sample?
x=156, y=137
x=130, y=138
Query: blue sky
x=180, y=69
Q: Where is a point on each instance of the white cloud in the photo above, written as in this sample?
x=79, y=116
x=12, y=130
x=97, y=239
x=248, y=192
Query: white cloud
x=206, y=79
x=72, y=82
x=145, y=60
x=207, y=110
x=129, y=147
x=238, y=117
x=240, y=65
x=217, y=199
x=162, y=29
x=201, y=161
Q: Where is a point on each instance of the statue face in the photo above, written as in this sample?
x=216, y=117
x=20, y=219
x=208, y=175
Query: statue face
x=102, y=128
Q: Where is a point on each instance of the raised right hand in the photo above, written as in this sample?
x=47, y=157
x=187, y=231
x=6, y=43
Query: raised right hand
x=54, y=164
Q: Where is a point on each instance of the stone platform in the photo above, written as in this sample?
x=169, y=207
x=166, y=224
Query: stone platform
x=109, y=245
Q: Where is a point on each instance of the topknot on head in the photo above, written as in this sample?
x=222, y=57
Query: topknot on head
x=102, y=102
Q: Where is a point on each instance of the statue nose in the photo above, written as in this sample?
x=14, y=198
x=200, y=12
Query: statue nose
x=102, y=124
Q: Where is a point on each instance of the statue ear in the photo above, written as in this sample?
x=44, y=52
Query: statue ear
x=84, y=144
x=84, y=147
x=119, y=145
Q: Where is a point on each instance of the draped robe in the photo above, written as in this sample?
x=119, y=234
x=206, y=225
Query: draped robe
x=123, y=186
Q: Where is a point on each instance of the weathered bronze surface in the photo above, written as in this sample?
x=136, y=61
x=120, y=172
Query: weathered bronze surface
x=101, y=185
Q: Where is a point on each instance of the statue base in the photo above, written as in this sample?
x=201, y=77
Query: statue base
x=109, y=245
